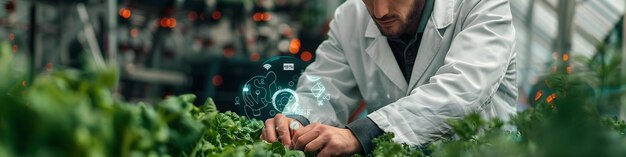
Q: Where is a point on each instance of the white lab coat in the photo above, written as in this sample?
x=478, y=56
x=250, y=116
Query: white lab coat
x=465, y=64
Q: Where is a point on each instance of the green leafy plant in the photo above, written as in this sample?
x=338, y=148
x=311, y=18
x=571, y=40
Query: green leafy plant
x=72, y=112
x=568, y=126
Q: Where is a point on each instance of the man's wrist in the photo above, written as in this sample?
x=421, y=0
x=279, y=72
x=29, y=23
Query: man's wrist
x=354, y=143
x=303, y=120
x=365, y=130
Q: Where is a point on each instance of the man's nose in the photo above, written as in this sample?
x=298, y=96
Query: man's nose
x=381, y=8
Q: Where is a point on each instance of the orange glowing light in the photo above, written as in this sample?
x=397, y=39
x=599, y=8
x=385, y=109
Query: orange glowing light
x=125, y=13
x=565, y=57
x=167, y=22
x=163, y=22
x=24, y=83
x=257, y=17
x=551, y=98
x=14, y=48
x=171, y=22
x=266, y=16
x=306, y=56
x=216, y=15
x=538, y=95
x=217, y=80
x=294, y=46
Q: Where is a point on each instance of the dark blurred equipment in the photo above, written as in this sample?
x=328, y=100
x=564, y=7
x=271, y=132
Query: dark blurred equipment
x=167, y=47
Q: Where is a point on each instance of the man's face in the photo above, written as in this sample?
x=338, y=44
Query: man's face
x=392, y=16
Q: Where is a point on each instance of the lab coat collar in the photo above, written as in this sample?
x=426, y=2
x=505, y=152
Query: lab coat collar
x=444, y=13
x=381, y=54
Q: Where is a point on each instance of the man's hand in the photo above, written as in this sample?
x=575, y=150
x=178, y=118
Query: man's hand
x=277, y=128
x=327, y=140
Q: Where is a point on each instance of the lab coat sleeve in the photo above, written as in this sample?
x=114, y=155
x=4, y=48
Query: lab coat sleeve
x=472, y=70
x=331, y=70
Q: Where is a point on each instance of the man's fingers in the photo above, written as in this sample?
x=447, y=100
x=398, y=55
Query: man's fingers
x=325, y=152
x=298, y=133
x=284, y=135
x=282, y=126
x=269, y=131
x=305, y=139
x=315, y=145
x=277, y=128
x=304, y=130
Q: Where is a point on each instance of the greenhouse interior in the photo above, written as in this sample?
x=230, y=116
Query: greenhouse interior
x=382, y=78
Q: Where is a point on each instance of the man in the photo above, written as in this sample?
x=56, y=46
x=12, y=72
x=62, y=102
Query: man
x=416, y=64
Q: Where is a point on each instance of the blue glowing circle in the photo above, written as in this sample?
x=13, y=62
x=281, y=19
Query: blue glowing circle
x=278, y=102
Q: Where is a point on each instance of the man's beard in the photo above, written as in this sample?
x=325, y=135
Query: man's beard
x=410, y=21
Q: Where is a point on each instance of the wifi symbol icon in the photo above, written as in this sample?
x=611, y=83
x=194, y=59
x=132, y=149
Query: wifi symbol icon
x=267, y=66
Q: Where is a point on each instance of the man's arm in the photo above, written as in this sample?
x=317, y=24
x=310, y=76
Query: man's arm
x=335, y=75
x=473, y=69
x=330, y=70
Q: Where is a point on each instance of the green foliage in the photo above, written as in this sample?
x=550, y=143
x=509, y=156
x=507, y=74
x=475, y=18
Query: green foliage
x=72, y=113
x=386, y=147
x=568, y=126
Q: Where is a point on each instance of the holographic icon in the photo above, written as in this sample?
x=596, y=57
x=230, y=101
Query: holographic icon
x=318, y=90
x=288, y=66
x=312, y=78
x=237, y=101
x=267, y=66
x=246, y=88
x=272, y=89
x=263, y=87
x=285, y=99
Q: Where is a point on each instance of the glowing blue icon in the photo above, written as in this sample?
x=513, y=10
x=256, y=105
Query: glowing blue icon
x=257, y=92
x=246, y=88
x=318, y=89
x=272, y=93
x=288, y=66
x=285, y=100
x=312, y=78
